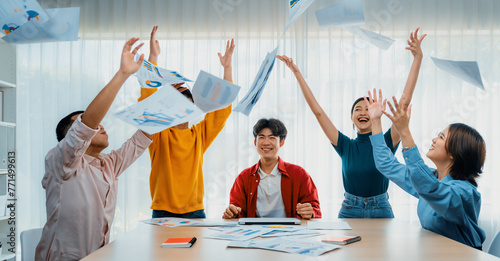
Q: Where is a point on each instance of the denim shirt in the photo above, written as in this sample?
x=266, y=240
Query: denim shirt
x=448, y=207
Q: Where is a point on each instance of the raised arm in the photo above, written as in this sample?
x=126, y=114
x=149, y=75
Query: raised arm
x=326, y=124
x=401, y=121
x=414, y=47
x=214, y=121
x=98, y=108
x=226, y=60
x=154, y=47
x=385, y=161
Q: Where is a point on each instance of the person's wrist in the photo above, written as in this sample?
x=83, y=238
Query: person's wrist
x=123, y=73
x=404, y=132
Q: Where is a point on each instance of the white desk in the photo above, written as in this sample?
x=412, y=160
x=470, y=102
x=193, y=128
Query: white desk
x=382, y=239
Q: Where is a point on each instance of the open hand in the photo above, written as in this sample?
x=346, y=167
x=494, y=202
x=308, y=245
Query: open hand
x=228, y=55
x=289, y=62
x=128, y=66
x=414, y=44
x=375, y=106
x=154, y=45
x=401, y=115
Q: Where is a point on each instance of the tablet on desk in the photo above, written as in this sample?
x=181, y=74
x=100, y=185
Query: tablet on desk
x=269, y=221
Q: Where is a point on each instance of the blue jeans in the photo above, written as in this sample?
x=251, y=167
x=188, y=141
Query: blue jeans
x=194, y=214
x=369, y=207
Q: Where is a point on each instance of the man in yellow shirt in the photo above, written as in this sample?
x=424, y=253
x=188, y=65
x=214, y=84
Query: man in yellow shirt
x=176, y=180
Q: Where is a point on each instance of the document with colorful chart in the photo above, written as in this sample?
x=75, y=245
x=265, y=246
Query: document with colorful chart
x=467, y=71
x=239, y=233
x=167, y=107
x=15, y=13
x=62, y=25
x=246, y=105
x=180, y=222
x=296, y=8
x=342, y=13
x=211, y=93
x=152, y=76
x=296, y=233
x=294, y=246
x=169, y=222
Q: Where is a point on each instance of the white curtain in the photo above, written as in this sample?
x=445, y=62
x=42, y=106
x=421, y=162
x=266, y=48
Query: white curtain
x=57, y=78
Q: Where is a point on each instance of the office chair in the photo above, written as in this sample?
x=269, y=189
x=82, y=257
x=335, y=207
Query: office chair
x=494, y=248
x=29, y=241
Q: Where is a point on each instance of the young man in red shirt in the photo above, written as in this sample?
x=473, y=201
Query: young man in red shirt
x=272, y=187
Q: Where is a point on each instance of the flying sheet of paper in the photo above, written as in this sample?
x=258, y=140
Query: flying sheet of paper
x=467, y=71
x=289, y=245
x=381, y=41
x=246, y=105
x=152, y=76
x=62, y=25
x=211, y=93
x=296, y=8
x=342, y=13
x=328, y=225
x=14, y=13
x=165, y=108
x=239, y=233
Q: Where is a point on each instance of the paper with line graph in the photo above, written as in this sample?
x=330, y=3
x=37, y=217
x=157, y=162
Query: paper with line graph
x=240, y=233
x=211, y=93
x=167, y=107
x=152, y=76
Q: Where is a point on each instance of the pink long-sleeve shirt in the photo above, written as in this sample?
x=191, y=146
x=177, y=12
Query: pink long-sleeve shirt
x=81, y=193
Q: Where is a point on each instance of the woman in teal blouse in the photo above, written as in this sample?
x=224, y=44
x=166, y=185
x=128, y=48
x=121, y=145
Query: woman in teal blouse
x=449, y=202
x=365, y=188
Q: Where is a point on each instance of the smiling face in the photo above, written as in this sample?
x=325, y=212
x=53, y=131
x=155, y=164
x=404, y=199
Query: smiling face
x=268, y=144
x=360, y=117
x=438, y=153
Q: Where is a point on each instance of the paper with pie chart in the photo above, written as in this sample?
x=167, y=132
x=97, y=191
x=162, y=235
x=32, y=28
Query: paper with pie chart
x=35, y=25
x=15, y=13
x=167, y=107
x=152, y=76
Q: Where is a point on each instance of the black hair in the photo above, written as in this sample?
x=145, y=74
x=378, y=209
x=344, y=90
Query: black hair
x=276, y=126
x=64, y=124
x=468, y=151
x=188, y=94
x=356, y=102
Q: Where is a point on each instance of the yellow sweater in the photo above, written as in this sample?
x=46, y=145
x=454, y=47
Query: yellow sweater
x=176, y=180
